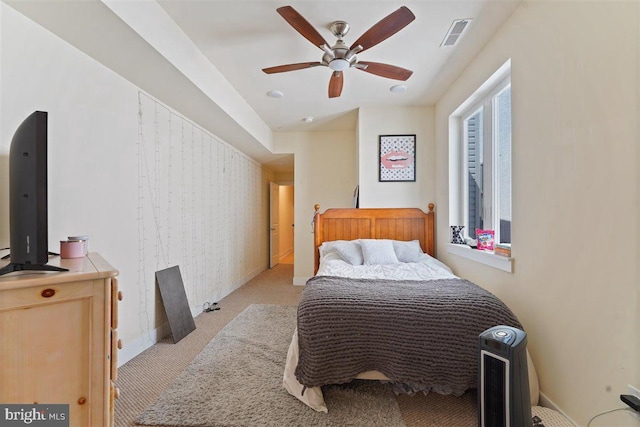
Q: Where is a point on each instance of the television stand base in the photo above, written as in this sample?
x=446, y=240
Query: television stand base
x=10, y=268
x=50, y=253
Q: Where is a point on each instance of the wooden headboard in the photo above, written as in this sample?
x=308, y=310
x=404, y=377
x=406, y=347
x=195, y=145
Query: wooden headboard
x=383, y=223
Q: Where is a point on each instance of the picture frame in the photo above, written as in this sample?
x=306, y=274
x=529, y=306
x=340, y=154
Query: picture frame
x=397, y=158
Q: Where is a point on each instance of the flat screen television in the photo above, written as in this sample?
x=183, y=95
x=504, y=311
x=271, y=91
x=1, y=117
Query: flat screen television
x=28, y=227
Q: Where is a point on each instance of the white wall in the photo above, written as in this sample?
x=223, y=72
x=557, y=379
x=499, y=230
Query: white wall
x=151, y=190
x=637, y=238
x=575, y=101
x=328, y=166
x=373, y=122
x=326, y=174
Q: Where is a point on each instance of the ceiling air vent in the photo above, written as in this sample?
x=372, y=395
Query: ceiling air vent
x=455, y=31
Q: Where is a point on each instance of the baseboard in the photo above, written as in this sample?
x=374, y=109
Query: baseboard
x=286, y=254
x=234, y=286
x=300, y=281
x=548, y=403
x=132, y=349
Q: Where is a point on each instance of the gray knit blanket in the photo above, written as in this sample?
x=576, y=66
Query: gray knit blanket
x=421, y=334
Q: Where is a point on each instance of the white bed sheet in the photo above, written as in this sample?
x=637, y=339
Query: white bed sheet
x=428, y=268
x=331, y=264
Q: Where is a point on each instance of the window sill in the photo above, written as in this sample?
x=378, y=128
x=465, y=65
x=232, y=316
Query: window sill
x=483, y=257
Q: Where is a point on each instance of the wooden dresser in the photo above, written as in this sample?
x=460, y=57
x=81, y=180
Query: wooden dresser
x=58, y=338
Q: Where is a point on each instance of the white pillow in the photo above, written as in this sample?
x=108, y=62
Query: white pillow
x=348, y=250
x=378, y=251
x=407, y=251
x=327, y=247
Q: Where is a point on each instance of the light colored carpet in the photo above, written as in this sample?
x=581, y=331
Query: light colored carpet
x=144, y=378
x=237, y=381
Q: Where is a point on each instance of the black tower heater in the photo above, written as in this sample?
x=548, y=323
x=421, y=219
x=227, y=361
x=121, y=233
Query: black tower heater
x=503, y=379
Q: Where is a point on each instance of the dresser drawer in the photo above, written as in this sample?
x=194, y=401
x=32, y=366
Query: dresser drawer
x=48, y=294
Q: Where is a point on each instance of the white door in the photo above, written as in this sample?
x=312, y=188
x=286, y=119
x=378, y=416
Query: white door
x=274, y=226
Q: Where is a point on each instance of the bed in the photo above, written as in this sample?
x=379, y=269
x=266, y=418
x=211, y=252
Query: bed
x=382, y=307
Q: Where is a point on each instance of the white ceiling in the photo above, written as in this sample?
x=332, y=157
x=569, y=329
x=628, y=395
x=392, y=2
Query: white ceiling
x=240, y=37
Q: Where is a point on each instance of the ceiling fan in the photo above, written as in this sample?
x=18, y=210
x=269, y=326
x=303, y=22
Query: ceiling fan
x=340, y=56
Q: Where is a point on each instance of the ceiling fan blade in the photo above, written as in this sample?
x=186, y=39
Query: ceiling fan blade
x=291, y=67
x=335, y=84
x=385, y=70
x=301, y=25
x=385, y=28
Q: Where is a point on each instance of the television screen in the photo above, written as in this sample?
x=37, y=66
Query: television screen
x=28, y=228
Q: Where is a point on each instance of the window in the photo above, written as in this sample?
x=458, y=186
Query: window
x=480, y=191
x=486, y=163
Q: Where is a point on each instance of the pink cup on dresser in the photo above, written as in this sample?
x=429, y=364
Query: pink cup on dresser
x=71, y=249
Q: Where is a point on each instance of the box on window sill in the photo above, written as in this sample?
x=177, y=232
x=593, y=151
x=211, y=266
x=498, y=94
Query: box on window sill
x=502, y=250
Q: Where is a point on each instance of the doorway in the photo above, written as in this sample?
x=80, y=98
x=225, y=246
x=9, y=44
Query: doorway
x=281, y=224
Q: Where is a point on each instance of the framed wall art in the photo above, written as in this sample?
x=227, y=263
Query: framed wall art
x=397, y=158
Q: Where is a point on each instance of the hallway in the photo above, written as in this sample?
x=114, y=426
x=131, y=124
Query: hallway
x=288, y=259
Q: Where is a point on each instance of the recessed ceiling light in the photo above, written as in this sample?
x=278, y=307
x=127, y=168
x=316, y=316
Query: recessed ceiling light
x=308, y=119
x=275, y=94
x=398, y=88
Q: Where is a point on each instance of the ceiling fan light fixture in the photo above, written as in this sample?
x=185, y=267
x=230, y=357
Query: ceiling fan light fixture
x=398, y=88
x=339, y=64
x=307, y=119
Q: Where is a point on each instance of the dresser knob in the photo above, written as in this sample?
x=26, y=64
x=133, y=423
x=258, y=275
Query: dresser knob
x=82, y=401
x=48, y=293
x=119, y=295
x=119, y=344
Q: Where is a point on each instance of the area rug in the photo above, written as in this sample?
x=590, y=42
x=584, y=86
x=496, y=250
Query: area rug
x=236, y=381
